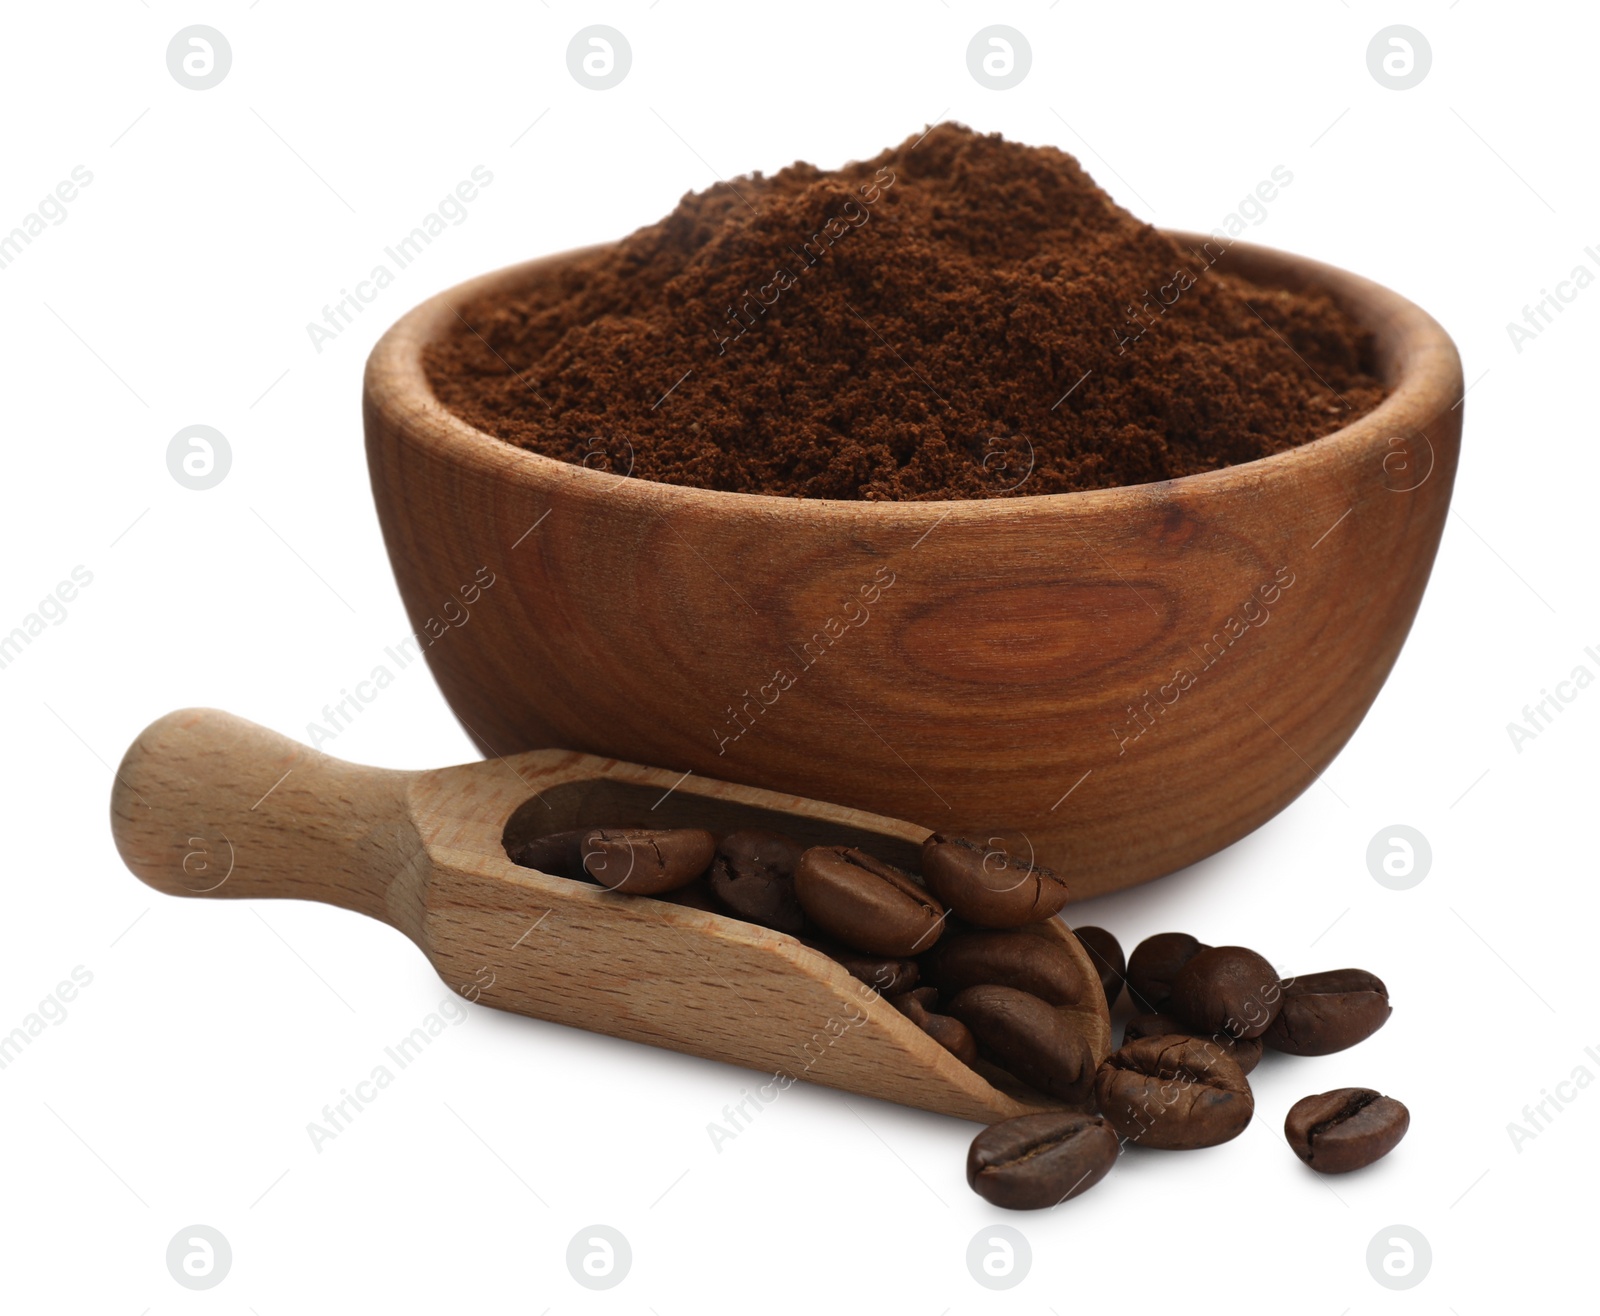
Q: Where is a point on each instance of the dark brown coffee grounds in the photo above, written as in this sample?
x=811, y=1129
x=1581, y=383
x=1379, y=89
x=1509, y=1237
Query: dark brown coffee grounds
x=960, y=317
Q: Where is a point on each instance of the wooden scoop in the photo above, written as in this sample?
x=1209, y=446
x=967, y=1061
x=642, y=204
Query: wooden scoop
x=207, y=804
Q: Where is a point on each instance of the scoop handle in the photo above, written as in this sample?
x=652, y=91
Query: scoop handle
x=208, y=804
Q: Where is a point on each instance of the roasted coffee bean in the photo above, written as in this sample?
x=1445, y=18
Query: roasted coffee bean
x=1028, y=1038
x=645, y=861
x=1244, y=1052
x=1345, y=1129
x=926, y=997
x=1011, y=959
x=1030, y=963
x=753, y=875
x=908, y=1005
x=1227, y=989
x=888, y=977
x=1037, y=1161
x=1105, y=953
x=531, y=820
x=1326, y=1012
x=558, y=853
x=988, y=887
x=951, y=1034
x=1154, y=964
x=1174, y=1092
x=865, y=902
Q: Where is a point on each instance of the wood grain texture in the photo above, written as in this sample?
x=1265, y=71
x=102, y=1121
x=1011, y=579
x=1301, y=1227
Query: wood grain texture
x=206, y=804
x=1183, y=658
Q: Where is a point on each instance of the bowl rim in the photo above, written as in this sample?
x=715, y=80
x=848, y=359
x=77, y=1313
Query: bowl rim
x=1417, y=358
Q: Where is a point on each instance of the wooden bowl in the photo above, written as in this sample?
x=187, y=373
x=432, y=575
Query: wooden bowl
x=1125, y=680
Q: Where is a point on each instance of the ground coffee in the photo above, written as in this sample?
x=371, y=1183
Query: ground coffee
x=960, y=317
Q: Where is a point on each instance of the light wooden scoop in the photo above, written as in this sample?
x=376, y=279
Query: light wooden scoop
x=207, y=804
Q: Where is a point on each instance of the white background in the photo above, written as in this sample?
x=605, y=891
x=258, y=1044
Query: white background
x=178, y=1088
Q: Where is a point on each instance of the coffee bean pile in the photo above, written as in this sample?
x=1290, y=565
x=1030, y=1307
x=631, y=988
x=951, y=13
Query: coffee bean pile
x=943, y=950
x=951, y=953
x=1205, y=1016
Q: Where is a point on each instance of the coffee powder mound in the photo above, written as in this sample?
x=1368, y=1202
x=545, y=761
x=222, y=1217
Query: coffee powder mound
x=960, y=317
